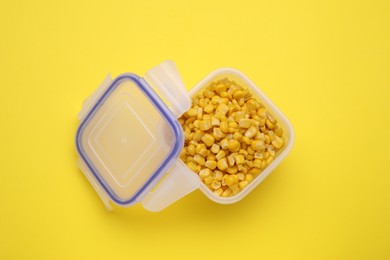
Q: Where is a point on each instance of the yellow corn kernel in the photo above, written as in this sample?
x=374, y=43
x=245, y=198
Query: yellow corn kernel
x=239, y=115
x=197, y=135
x=220, y=155
x=267, y=139
x=252, y=104
x=220, y=88
x=204, y=152
x=224, y=127
x=211, y=157
x=228, y=180
x=234, y=145
x=204, y=173
x=249, y=157
x=218, y=192
x=240, y=94
x=208, y=180
x=237, y=135
x=249, y=163
x=216, y=185
x=210, y=164
x=235, y=189
x=209, y=108
x=222, y=108
x=218, y=175
x=192, y=112
x=199, y=159
x=205, y=125
x=241, y=176
x=266, y=155
x=250, y=151
x=269, y=160
x=192, y=166
x=242, y=151
x=190, y=159
x=245, y=123
x=258, y=155
x=257, y=163
x=224, y=143
x=230, y=160
x=242, y=184
x=199, y=147
x=208, y=93
x=249, y=177
x=269, y=124
x=239, y=158
x=200, y=113
x=226, y=193
x=231, y=170
x=215, y=148
x=218, y=133
x=251, y=132
x=215, y=121
x=258, y=145
x=263, y=129
x=208, y=139
x=222, y=164
x=279, y=131
x=191, y=150
x=262, y=121
x=278, y=142
x=254, y=171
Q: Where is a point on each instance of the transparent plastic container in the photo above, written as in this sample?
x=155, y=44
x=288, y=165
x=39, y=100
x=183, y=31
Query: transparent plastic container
x=129, y=138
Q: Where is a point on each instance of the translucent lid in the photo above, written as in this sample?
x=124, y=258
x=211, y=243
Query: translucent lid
x=129, y=139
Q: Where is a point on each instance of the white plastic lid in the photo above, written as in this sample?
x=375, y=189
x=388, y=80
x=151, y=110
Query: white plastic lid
x=129, y=139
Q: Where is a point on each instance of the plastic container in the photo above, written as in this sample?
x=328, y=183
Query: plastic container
x=129, y=138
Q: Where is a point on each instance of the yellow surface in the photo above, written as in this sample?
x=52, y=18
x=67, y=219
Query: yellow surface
x=326, y=64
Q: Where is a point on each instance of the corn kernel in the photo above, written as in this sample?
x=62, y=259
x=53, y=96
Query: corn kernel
x=230, y=160
x=219, y=88
x=226, y=193
x=215, y=148
x=204, y=173
x=218, y=192
x=258, y=145
x=240, y=94
x=251, y=132
x=224, y=127
x=239, y=158
x=254, y=171
x=279, y=131
x=269, y=124
x=192, y=166
x=209, y=108
x=204, y=152
x=215, y=121
x=249, y=177
x=241, y=176
x=191, y=149
x=216, y=185
x=211, y=157
x=192, y=112
x=208, y=180
x=278, y=142
x=197, y=136
x=218, y=175
x=222, y=164
x=208, y=139
x=237, y=135
x=222, y=108
x=235, y=189
x=199, y=159
x=220, y=155
x=257, y=163
x=210, y=164
x=218, y=133
x=242, y=184
x=245, y=123
x=224, y=144
x=231, y=170
x=208, y=93
x=205, y=125
x=234, y=145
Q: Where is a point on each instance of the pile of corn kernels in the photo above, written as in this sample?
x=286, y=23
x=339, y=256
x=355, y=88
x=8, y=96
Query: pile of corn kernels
x=229, y=137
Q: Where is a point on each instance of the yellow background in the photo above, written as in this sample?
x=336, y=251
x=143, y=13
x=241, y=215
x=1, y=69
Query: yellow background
x=326, y=64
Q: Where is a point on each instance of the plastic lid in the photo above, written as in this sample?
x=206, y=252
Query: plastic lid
x=129, y=139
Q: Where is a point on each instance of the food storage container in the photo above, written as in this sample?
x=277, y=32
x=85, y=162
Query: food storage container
x=129, y=139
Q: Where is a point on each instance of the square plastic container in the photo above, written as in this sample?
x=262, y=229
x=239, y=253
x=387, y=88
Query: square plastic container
x=129, y=138
x=241, y=79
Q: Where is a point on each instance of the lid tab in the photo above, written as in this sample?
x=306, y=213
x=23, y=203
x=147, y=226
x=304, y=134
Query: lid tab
x=167, y=82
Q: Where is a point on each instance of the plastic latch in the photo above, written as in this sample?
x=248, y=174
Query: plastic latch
x=179, y=182
x=166, y=81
